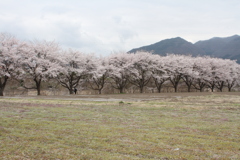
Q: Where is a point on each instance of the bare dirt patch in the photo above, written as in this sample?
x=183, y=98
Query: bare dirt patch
x=130, y=97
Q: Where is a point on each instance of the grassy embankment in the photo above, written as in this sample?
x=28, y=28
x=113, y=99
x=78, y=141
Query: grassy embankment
x=204, y=127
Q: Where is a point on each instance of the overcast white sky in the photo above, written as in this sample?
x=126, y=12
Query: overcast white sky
x=106, y=26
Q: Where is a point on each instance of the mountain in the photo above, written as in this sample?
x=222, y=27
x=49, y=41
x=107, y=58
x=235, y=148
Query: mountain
x=174, y=45
x=210, y=46
x=228, y=47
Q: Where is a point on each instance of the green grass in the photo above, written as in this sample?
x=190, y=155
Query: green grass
x=206, y=127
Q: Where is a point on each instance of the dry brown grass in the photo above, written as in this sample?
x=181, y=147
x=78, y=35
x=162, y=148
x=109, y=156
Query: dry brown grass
x=171, y=127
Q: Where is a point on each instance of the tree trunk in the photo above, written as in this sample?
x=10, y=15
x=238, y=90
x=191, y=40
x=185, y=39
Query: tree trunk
x=176, y=87
x=38, y=89
x=71, y=86
x=175, y=82
x=221, y=88
x=229, y=89
x=159, y=84
x=3, y=84
x=230, y=85
x=212, y=89
x=189, y=88
x=1, y=91
x=70, y=91
x=38, y=86
x=188, y=81
x=201, y=86
x=220, y=85
x=141, y=89
x=159, y=89
x=121, y=89
x=100, y=91
x=211, y=85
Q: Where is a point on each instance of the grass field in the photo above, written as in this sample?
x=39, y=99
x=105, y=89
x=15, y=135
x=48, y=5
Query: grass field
x=199, y=127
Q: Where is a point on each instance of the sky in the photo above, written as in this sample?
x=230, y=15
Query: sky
x=108, y=26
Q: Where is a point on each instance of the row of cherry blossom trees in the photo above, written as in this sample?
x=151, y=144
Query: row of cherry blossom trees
x=39, y=61
x=196, y=72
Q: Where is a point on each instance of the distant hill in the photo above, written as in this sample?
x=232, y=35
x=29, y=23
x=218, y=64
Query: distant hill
x=228, y=47
x=174, y=45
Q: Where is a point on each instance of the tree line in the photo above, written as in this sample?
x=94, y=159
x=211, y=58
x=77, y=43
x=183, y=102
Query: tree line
x=40, y=61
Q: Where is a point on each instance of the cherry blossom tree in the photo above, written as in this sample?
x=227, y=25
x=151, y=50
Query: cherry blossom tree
x=11, y=50
x=189, y=72
x=227, y=74
x=233, y=77
x=213, y=73
x=221, y=73
x=175, y=69
x=75, y=66
x=159, y=73
x=200, y=68
x=99, y=74
x=119, y=63
x=141, y=69
x=39, y=63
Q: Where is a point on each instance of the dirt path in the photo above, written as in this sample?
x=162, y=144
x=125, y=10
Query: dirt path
x=127, y=97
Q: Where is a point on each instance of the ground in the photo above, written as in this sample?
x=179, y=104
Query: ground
x=121, y=126
x=128, y=97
